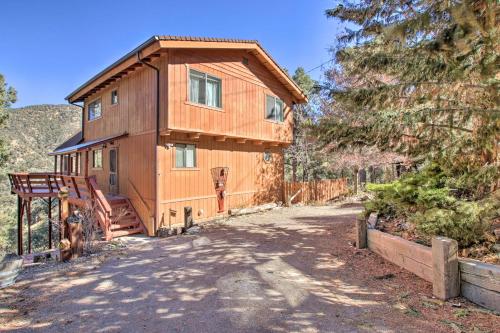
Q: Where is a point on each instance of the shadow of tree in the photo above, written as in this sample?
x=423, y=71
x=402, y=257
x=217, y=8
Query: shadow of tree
x=285, y=270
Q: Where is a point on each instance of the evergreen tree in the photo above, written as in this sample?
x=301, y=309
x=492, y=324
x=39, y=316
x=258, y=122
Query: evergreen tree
x=8, y=95
x=304, y=158
x=420, y=78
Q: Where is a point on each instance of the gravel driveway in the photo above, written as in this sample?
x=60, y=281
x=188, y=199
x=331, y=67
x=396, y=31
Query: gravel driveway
x=287, y=270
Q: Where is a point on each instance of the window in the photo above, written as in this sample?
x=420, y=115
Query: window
x=205, y=89
x=274, y=109
x=65, y=165
x=185, y=156
x=268, y=157
x=94, y=110
x=114, y=97
x=97, y=159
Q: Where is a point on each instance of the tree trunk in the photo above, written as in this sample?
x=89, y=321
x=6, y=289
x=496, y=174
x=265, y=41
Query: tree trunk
x=355, y=180
x=294, y=169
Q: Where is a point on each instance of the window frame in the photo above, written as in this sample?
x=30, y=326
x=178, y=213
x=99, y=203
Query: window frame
x=88, y=109
x=276, y=100
x=94, y=159
x=206, y=77
x=115, y=91
x=195, y=159
x=65, y=164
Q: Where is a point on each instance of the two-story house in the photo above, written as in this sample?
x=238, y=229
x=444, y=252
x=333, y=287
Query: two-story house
x=184, y=122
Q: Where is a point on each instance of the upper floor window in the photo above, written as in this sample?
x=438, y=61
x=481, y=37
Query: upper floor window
x=185, y=156
x=274, y=109
x=97, y=159
x=205, y=89
x=94, y=110
x=114, y=97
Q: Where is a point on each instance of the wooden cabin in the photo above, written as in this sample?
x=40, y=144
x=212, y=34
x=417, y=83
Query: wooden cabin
x=160, y=124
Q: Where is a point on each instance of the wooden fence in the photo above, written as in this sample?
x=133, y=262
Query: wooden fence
x=316, y=190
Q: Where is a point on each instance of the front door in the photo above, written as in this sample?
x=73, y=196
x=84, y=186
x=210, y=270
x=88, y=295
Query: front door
x=113, y=171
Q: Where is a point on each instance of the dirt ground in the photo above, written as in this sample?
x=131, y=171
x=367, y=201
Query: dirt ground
x=287, y=270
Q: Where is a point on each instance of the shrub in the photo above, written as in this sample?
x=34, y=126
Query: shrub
x=426, y=199
x=466, y=222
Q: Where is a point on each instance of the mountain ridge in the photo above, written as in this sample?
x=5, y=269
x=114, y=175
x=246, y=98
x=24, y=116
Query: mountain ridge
x=30, y=133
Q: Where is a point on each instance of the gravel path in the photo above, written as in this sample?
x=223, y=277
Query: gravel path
x=287, y=270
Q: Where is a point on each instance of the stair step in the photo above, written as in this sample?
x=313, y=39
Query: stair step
x=117, y=215
x=126, y=232
x=125, y=224
x=126, y=221
x=123, y=205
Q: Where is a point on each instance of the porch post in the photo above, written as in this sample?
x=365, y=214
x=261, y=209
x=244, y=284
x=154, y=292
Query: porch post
x=55, y=163
x=19, y=226
x=77, y=157
x=61, y=158
x=63, y=199
x=68, y=169
x=28, y=215
x=86, y=163
x=50, y=223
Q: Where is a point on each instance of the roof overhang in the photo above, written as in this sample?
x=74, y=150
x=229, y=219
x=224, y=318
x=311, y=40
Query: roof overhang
x=153, y=47
x=86, y=145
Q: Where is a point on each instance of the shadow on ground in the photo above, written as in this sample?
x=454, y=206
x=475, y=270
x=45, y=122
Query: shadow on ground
x=289, y=270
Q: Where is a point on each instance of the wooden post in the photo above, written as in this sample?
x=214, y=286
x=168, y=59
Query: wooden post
x=64, y=206
x=20, y=208
x=75, y=231
x=49, y=215
x=86, y=168
x=28, y=216
x=60, y=215
x=361, y=233
x=446, y=281
x=55, y=163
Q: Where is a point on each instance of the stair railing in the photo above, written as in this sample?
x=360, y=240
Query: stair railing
x=101, y=204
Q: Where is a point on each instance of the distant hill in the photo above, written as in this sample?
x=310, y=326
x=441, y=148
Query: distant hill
x=30, y=133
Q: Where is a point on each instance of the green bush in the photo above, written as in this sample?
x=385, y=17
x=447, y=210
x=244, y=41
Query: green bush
x=466, y=222
x=425, y=199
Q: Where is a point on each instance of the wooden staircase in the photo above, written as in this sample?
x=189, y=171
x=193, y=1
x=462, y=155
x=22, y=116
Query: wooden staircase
x=124, y=219
x=115, y=215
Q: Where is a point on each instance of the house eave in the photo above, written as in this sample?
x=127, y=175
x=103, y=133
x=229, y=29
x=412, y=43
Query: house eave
x=158, y=43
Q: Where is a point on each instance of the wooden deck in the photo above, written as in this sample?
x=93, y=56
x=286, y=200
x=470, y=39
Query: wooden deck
x=115, y=215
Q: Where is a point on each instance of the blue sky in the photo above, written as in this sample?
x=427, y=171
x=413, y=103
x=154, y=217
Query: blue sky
x=48, y=48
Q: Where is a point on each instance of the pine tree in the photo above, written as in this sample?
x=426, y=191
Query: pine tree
x=303, y=157
x=420, y=78
x=8, y=95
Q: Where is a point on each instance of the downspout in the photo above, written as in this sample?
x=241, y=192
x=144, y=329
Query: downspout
x=157, y=70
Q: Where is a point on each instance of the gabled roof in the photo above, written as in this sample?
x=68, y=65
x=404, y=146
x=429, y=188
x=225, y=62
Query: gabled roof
x=151, y=48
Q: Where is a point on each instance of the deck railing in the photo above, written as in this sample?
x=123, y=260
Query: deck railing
x=82, y=192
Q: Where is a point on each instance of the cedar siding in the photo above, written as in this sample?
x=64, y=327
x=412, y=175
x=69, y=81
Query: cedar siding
x=235, y=135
